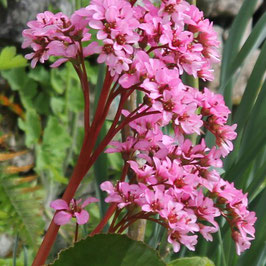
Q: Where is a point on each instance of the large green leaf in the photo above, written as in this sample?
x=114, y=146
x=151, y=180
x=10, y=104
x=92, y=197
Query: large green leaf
x=9, y=59
x=191, y=261
x=111, y=250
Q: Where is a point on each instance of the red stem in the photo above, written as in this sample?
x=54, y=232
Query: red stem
x=86, y=160
x=132, y=219
x=111, y=228
x=105, y=219
x=86, y=91
x=50, y=236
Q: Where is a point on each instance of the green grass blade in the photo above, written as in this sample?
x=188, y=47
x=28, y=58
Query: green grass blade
x=254, y=40
x=15, y=251
x=100, y=167
x=235, y=36
x=256, y=123
x=254, y=137
x=258, y=183
x=251, y=91
x=257, y=250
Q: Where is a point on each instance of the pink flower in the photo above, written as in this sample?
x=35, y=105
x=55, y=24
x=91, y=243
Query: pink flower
x=123, y=194
x=177, y=237
x=76, y=210
x=242, y=243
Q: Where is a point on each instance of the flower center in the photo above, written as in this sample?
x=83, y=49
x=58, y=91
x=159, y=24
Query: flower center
x=121, y=39
x=108, y=48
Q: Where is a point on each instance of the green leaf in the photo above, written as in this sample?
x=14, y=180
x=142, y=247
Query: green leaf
x=15, y=77
x=58, y=80
x=235, y=35
x=3, y=215
x=75, y=97
x=9, y=59
x=4, y=3
x=58, y=105
x=251, y=91
x=57, y=176
x=100, y=167
x=52, y=151
x=23, y=210
x=232, y=46
x=191, y=261
x=111, y=250
x=254, y=40
x=19, y=81
x=41, y=75
x=32, y=127
x=91, y=72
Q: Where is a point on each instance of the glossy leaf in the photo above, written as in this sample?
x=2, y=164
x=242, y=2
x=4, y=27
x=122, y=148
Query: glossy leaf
x=191, y=261
x=111, y=250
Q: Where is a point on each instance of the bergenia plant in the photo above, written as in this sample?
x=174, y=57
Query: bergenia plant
x=170, y=176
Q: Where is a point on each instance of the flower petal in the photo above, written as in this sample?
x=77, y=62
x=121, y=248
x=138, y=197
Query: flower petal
x=88, y=201
x=82, y=217
x=59, y=204
x=62, y=217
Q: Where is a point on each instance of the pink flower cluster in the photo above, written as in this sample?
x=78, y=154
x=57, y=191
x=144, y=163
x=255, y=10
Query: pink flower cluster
x=180, y=182
x=175, y=33
x=148, y=47
x=172, y=177
x=57, y=35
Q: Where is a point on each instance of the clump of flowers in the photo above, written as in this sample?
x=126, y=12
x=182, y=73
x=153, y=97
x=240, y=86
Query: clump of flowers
x=147, y=48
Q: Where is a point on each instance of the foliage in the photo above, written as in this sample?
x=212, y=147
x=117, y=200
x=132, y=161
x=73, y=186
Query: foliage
x=51, y=102
x=3, y=3
x=191, y=261
x=111, y=250
x=9, y=59
x=20, y=212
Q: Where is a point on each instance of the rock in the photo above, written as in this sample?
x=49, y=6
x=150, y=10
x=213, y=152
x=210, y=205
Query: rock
x=6, y=245
x=244, y=75
x=242, y=80
x=217, y=8
x=14, y=19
